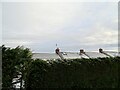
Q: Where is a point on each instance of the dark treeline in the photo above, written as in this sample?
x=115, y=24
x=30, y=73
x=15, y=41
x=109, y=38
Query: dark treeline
x=74, y=73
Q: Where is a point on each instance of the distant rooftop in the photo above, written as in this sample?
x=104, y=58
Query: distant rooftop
x=74, y=55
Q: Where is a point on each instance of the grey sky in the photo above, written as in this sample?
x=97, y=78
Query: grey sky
x=72, y=25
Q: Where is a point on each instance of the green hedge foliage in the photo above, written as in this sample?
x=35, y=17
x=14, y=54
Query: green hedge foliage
x=76, y=73
x=14, y=63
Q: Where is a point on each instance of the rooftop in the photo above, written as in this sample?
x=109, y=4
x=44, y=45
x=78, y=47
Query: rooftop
x=74, y=55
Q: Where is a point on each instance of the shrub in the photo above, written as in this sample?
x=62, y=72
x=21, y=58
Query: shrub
x=76, y=73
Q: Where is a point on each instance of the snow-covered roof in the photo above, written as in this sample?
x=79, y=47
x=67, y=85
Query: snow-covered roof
x=95, y=54
x=112, y=53
x=46, y=56
x=74, y=55
x=70, y=55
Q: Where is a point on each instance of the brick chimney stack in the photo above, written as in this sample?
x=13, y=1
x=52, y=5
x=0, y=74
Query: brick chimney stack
x=82, y=51
x=100, y=50
x=57, y=51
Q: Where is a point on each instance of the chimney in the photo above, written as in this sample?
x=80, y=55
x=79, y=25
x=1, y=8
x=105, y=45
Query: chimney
x=57, y=51
x=100, y=50
x=81, y=51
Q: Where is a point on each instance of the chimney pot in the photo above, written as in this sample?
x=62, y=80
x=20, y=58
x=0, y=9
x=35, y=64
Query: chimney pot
x=81, y=51
x=57, y=50
x=101, y=50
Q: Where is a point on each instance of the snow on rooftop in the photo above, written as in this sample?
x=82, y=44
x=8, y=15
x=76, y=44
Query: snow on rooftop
x=70, y=55
x=112, y=53
x=74, y=55
x=95, y=54
x=45, y=56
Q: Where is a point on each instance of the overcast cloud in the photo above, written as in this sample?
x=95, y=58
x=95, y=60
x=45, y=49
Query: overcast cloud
x=39, y=26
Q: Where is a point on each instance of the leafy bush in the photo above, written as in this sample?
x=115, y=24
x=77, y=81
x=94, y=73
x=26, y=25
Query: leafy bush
x=14, y=63
x=76, y=73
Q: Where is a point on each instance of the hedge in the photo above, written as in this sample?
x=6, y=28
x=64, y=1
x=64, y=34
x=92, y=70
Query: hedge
x=74, y=73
